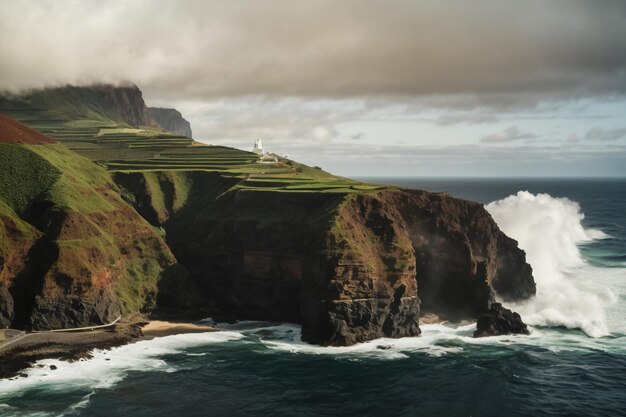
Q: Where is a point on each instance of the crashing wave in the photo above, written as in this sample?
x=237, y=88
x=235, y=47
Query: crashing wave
x=550, y=230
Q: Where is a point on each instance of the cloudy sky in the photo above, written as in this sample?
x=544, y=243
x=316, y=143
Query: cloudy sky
x=397, y=88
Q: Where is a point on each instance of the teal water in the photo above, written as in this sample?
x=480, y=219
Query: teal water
x=263, y=369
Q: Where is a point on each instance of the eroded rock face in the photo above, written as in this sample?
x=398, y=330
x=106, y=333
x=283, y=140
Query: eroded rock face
x=76, y=281
x=6, y=307
x=127, y=102
x=462, y=256
x=367, y=286
x=171, y=119
x=499, y=320
x=349, y=268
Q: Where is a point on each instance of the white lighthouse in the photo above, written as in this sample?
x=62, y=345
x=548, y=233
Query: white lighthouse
x=258, y=147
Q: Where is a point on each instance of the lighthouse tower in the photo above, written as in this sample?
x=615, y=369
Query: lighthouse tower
x=258, y=147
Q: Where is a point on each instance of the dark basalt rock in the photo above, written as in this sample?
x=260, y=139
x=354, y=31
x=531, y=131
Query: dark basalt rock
x=6, y=306
x=500, y=321
x=127, y=102
x=171, y=119
x=348, y=268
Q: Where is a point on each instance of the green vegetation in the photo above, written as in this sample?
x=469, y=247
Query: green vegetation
x=26, y=175
x=12, y=227
x=97, y=239
x=81, y=185
x=79, y=119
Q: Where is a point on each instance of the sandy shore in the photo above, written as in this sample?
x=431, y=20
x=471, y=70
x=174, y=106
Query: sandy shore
x=430, y=318
x=157, y=328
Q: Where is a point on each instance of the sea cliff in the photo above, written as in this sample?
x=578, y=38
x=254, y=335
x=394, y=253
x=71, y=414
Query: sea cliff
x=349, y=267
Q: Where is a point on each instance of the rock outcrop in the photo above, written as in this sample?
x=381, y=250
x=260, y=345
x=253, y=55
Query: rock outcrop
x=171, y=119
x=462, y=256
x=105, y=102
x=127, y=102
x=499, y=320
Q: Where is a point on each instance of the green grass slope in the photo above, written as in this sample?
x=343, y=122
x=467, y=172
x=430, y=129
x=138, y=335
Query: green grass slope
x=73, y=251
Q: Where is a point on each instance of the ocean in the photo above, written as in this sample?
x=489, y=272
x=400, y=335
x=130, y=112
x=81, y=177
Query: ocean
x=573, y=362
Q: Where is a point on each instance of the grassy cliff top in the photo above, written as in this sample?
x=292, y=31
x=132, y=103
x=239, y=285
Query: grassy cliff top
x=83, y=121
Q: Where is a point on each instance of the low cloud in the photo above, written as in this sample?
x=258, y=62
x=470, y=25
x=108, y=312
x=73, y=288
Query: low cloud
x=507, y=135
x=468, y=118
x=598, y=133
x=356, y=136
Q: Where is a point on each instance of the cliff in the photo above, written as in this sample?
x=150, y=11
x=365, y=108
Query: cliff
x=101, y=102
x=171, y=119
x=72, y=252
x=350, y=267
x=127, y=102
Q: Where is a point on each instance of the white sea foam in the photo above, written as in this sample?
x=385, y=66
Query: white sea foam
x=107, y=367
x=436, y=340
x=570, y=292
x=287, y=338
x=75, y=409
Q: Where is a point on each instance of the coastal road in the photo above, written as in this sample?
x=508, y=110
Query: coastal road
x=11, y=336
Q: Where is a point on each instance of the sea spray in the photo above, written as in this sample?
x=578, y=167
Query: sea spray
x=550, y=229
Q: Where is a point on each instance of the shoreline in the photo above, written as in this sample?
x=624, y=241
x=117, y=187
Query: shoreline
x=158, y=328
x=77, y=346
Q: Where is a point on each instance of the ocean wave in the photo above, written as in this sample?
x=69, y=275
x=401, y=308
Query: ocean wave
x=107, y=367
x=570, y=293
x=436, y=340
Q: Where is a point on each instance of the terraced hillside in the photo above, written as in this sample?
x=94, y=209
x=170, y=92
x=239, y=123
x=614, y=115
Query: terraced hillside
x=83, y=121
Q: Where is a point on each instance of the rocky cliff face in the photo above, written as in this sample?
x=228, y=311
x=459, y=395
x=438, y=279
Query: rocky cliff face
x=387, y=250
x=462, y=256
x=348, y=267
x=16, y=240
x=171, y=119
x=363, y=286
x=103, y=102
x=128, y=104
x=72, y=252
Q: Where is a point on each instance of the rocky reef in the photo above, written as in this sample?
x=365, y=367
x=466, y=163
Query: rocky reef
x=499, y=320
x=171, y=119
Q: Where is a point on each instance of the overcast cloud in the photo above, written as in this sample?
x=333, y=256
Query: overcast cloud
x=209, y=49
x=351, y=74
x=509, y=134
